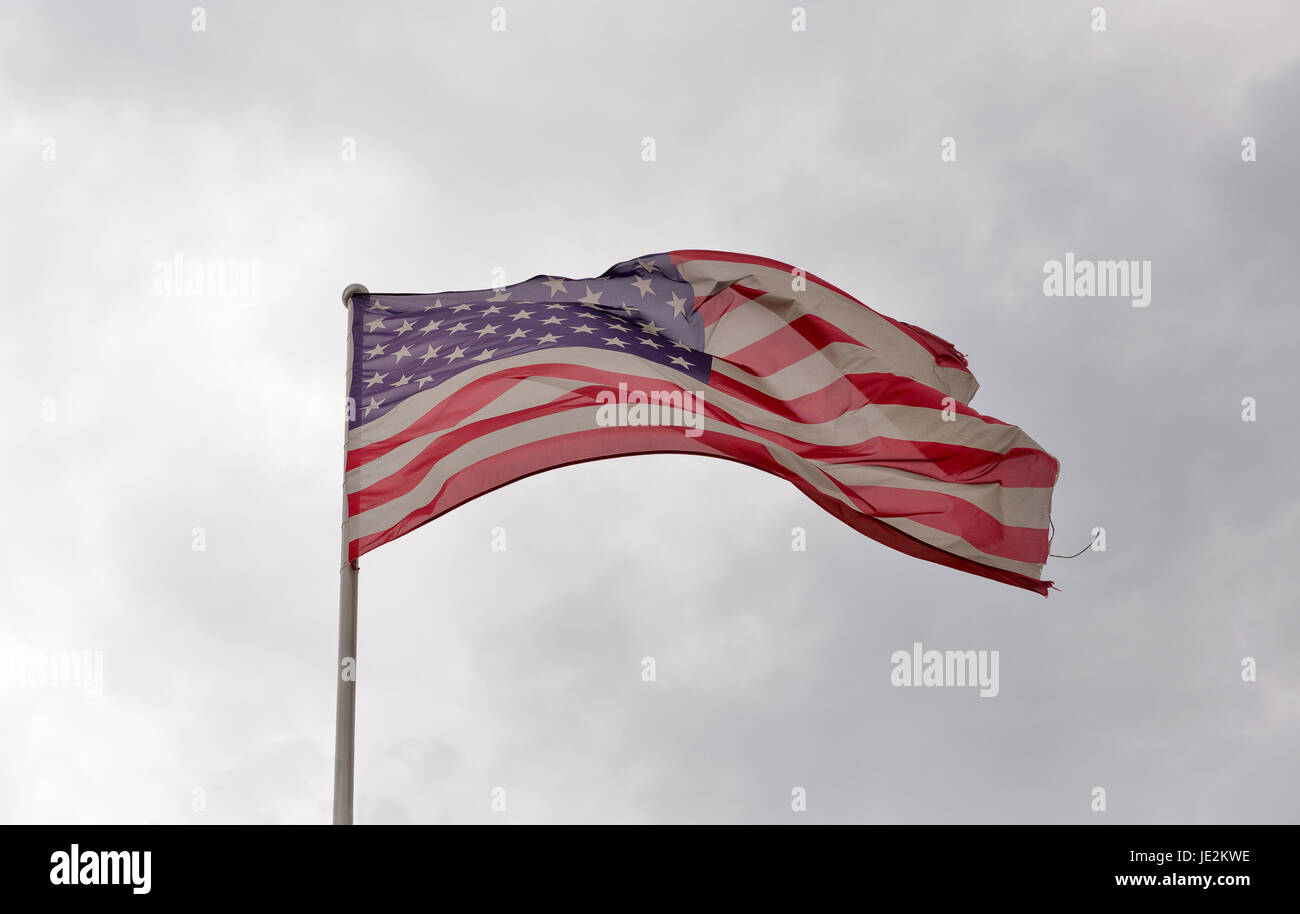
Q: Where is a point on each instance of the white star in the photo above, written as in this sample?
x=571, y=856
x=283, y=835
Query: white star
x=651, y=327
x=591, y=298
x=646, y=341
x=488, y=328
x=437, y=303
x=403, y=380
x=373, y=404
x=378, y=350
x=458, y=354
x=401, y=353
x=490, y=309
x=549, y=338
x=647, y=265
x=406, y=325
x=501, y=295
x=643, y=284
x=556, y=285
x=619, y=327
x=556, y=306
x=615, y=341
x=431, y=354
x=459, y=326
x=484, y=355
x=678, y=304
x=681, y=345
x=584, y=329
x=464, y=307
x=553, y=320
x=378, y=306
x=420, y=383
x=432, y=325
x=376, y=378
x=518, y=334
x=521, y=314
x=376, y=324
x=680, y=361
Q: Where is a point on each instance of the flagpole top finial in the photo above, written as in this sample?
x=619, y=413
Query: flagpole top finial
x=354, y=289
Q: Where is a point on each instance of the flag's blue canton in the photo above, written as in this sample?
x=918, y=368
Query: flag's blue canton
x=405, y=343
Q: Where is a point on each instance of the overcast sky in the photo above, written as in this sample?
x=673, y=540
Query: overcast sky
x=135, y=417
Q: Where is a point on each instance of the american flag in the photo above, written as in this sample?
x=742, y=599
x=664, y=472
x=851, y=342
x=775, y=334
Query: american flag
x=454, y=394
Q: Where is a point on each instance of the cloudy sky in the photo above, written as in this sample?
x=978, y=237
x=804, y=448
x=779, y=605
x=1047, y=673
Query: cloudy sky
x=172, y=463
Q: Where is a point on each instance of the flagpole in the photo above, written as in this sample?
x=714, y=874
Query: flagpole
x=345, y=710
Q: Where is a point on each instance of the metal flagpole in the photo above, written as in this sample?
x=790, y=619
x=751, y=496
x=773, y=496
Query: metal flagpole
x=345, y=711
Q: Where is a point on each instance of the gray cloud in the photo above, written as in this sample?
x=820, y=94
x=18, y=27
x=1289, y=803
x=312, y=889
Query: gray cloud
x=522, y=669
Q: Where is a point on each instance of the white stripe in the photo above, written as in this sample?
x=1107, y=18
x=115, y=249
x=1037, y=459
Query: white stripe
x=814, y=370
x=930, y=535
x=852, y=427
x=382, y=517
x=410, y=410
x=855, y=426
x=858, y=321
x=950, y=542
x=527, y=393
x=1014, y=506
x=821, y=369
x=1022, y=506
x=744, y=325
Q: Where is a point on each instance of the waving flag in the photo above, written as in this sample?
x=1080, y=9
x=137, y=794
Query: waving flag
x=458, y=393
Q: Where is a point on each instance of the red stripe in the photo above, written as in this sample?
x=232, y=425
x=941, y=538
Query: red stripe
x=946, y=462
x=464, y=402
x=859, y=389
x=712, y=307
x=385, y=490
x=781, y=348
x=944, y=352
x=951, y=462
x=841, y=395
x=941, y=511
x=884, y=389
x=577, y=447
x=954, y=515
x=444, y=414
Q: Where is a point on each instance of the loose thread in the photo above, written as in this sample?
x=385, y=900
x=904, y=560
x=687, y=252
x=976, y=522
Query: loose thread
x=1052, y=536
